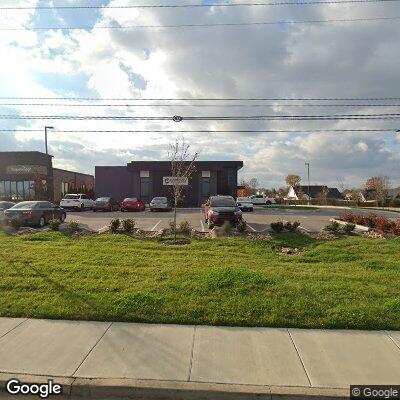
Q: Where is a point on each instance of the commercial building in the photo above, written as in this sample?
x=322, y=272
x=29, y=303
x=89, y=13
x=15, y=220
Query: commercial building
x=29, y=175
x=144, y=179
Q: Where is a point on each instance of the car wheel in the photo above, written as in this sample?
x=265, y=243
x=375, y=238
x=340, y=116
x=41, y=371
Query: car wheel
x=268, y=203
x=42, y=222
x=82, y=208
x=94, y=210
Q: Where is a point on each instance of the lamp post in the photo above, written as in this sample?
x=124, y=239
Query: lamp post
x=308, y=178
x=45, y=136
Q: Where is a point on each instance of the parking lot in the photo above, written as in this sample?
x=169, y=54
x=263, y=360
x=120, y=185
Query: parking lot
x=258, y=220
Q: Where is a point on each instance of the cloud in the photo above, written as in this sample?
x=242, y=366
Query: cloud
x=319, y=60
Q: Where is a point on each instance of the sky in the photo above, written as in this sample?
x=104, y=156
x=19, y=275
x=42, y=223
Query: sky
x=332, y=60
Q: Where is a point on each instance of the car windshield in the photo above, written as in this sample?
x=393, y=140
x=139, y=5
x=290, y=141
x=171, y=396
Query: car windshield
x=103, y=199
x=72, y=196
x=131, y=199
x=160, y=199
x=25, y=205
x=225, y=202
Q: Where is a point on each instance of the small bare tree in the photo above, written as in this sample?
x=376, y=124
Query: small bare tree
x=253, y=184
x=182, y=165
x=293, y=180
x=381, y=185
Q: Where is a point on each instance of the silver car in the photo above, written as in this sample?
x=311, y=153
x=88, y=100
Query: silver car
x=160, y=204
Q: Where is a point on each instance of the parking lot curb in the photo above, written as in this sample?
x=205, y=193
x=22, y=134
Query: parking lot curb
x=96, y=388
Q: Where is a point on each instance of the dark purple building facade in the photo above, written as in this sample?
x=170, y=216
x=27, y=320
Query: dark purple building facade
x=144, y=179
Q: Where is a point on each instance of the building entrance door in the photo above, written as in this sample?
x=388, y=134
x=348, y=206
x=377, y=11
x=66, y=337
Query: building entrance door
x=145, y=190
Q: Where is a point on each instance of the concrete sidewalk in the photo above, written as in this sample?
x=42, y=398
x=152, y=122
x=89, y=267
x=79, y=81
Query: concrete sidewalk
x=101, y=358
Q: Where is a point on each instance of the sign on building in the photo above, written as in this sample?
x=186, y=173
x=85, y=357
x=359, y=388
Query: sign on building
x=26, y=169
x=175, y=181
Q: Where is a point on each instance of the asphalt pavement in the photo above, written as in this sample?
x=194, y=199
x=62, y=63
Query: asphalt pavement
x=258, y=220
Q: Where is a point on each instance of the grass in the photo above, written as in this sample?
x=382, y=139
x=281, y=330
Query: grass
x=345, y=283
x=283, y=207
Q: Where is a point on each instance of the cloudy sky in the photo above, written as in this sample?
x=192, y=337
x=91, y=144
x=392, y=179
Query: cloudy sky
x=327, y=60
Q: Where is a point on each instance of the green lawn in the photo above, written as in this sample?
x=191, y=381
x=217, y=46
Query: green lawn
x=344, y=283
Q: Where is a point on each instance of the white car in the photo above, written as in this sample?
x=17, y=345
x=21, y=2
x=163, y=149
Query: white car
x=262, y=199
x=244, y=203
x=79, y=202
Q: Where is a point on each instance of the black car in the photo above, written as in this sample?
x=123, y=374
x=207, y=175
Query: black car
x=106, y=204
x=5, y=205
x=37, y=213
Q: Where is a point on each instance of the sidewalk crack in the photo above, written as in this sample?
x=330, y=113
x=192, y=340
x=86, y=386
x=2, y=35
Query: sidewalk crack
x=87, y=355
x=15, y=327
x=298, y=354
x=191, y=354
x=394, y=342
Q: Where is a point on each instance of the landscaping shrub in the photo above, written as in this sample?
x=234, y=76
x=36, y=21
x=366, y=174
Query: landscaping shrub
x=114, y=225
x=396, y=228
x=292, y=226
x=370, y=220
x=227, y=227
x=347, y=217
x=277, y=227
x=184, y=227
x=16, y=224
x=333, y=226
x=73, y=227
x=241, y=226
x=349, y=227
x=128, y=225
x=359, y=219
x=171, y=225
x=54, y=224
x=383, y=224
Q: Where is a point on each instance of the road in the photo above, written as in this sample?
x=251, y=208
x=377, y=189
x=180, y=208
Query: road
x=258, y=220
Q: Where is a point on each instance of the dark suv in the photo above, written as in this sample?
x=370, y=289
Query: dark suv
x=219, y=209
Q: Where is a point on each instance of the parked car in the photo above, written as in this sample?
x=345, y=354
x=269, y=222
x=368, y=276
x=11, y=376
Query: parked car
x=37, y=213
x=160, y=204
x=244, y=203
x=219, y=209
x=262, y=199
x=4, y=205
x=105, y=204
x=132, y=204
x=79, y=202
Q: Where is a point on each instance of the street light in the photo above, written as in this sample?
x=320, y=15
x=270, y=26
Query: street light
x=308, y=176
x=45, y=136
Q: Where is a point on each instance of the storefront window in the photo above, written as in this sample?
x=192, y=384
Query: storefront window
x=17, y=190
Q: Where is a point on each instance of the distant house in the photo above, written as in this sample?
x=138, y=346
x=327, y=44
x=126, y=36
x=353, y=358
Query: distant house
x=315, y=191
x=394, y=193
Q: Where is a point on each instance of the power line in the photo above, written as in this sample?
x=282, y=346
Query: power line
x=208, y=99
x=205, y=131
x=226, y=24
x=205, y=5
x=194, y=105
x=207, y=118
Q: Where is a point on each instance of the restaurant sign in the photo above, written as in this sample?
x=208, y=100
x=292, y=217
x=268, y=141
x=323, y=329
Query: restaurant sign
x=26, y=169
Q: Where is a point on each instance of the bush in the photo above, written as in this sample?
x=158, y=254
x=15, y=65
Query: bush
x=396, y=228
x=54, y=224
x=128, y=225
x=292, y=226
x=277, y=227
x=184, y=227
x=73, y=227
x=349, y=227
x=114, y=225
x=333, y=226
x=227, y=227
x=16, y=224
x=241, y=226
x=371, y=220
x=347, y=217
x=384, y=224
x=172, y=226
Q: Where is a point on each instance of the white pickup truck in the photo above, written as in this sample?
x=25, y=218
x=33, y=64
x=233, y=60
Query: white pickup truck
x=262, y=199
x=79, y=202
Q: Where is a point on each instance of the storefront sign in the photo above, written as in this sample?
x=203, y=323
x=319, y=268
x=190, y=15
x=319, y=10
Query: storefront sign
x=26, y=169
x=175, y=181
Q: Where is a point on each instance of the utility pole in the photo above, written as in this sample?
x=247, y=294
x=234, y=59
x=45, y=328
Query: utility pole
x=308, y=177
x=45, y=136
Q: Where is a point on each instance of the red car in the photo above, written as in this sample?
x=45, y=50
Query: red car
x=219, y=209
x=132, y=204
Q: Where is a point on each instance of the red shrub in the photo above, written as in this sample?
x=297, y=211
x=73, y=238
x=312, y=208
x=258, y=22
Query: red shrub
x=359, y=219
x=383, y=224
x=396, y=228
x=348, y=217
x=371, y=220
